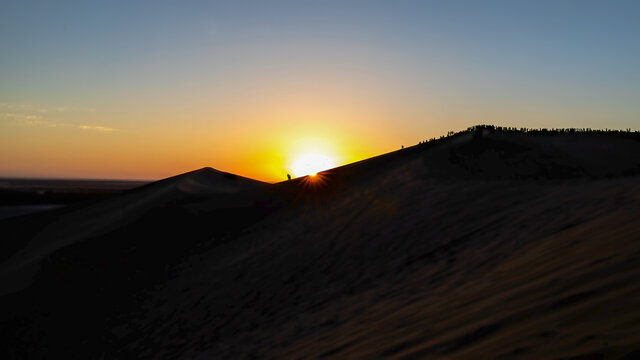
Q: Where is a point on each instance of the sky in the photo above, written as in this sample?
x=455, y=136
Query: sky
x=150, y=89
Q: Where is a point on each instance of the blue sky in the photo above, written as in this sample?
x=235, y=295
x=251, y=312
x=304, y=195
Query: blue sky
x=379, y=73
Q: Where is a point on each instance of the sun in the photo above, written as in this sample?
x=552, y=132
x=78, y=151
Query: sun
x=311, y=164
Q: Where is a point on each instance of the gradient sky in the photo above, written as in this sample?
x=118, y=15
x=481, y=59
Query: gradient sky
x=150, y=89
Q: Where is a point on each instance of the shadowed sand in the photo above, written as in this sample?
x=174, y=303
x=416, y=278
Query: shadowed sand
x=503, y=245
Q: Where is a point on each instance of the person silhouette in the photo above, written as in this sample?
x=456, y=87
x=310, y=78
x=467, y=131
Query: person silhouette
x=288, y=176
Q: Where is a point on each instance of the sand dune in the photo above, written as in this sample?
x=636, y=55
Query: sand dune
x=520, y=156
x=83, y=222
x=500, y=246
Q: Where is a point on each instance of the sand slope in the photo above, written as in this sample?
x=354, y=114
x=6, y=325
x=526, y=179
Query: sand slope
x=74, y=225
x=446, y=250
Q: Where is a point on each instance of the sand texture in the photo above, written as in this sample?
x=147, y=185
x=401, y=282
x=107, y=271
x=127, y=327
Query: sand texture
x=501, y=246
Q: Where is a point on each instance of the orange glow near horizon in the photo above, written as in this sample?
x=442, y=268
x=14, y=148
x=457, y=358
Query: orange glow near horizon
x=265, y=142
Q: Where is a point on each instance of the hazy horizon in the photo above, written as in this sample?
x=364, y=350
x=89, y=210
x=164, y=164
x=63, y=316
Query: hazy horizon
x=148, y=90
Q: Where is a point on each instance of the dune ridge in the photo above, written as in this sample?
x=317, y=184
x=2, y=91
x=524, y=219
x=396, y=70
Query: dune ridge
x=484, y=244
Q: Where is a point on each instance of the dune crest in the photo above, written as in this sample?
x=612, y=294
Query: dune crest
x=494, y=245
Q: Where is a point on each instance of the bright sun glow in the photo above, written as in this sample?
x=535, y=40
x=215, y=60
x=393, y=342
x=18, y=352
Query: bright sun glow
x=310, y=164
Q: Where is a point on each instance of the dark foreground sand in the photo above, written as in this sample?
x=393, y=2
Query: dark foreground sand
x=412, y=255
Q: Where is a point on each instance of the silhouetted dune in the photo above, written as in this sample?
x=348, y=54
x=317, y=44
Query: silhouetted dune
x=500, y=155
x=70, y=226
x=204, y=181
x=479, y=245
